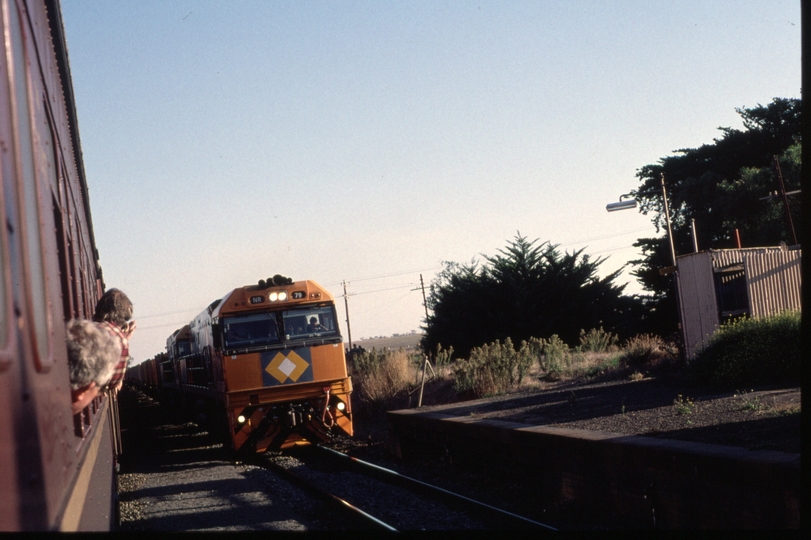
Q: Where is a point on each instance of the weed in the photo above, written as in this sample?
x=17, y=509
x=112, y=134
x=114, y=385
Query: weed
x=553, y=353
x=380, y=375
x=636, y=376
x=749, y=403
x=492, y=369
x=683, y=405
x=643, y=349
x=597, y=340
x=443, y=358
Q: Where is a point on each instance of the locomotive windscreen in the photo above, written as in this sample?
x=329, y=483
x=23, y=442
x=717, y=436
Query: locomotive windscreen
x=309, y=322
x=250, y=330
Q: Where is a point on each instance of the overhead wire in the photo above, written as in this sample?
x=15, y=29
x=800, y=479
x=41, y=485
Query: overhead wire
x=402, y=273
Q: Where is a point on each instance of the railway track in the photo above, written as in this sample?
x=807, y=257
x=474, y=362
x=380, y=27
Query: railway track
x=177, y=478
x=378, y=498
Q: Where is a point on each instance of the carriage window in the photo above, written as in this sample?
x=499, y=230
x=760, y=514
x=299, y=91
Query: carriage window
x=4, y=305
x=30, y=203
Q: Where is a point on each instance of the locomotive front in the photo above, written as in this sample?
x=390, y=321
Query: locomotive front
x=276, y=354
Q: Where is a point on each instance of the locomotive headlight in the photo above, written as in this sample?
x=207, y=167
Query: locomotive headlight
x=340, y=406
x=273, y=296
x=282, y=296
x=241, y=419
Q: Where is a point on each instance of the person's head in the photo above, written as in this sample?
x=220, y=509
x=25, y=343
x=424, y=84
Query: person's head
x=313, y=320
x=114, y=306
x=92, y=354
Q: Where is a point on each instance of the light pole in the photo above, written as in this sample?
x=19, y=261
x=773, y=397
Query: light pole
x=628, y=204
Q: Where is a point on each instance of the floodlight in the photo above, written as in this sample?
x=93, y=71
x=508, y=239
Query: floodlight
x=621, y=205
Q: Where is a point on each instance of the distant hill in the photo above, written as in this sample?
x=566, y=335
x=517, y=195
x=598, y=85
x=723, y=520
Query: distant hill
x=406, y=341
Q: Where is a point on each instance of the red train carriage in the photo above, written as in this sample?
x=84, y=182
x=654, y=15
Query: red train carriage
x=272, y=356
x=56, y=468
x=145, y=374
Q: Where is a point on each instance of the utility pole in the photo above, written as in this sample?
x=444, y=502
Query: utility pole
x=427, y=362
x=667, y=217
x=673, y=269
x=784, y=196
x=346, y=305
x=424, y=301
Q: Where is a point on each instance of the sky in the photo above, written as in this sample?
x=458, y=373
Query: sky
x=362, y=144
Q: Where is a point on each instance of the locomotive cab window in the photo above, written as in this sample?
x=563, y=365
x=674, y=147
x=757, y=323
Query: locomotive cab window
x=182, y=348
x=309, y=322
x=250, y=330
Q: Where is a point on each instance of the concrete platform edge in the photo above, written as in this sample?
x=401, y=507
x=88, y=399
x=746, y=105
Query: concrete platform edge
x=624, y=481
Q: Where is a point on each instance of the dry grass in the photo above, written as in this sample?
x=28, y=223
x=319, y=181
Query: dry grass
x=383, y=375
x=386, y=378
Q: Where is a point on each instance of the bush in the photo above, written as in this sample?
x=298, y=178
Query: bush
x=747, y=352
x=597, y=340
x=443, y=358
x=492, y=369
x=380, y=375
x=643, y=349
x=555, y=354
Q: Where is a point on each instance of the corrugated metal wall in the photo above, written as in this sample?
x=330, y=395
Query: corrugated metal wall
x=699, y=311
x=774, y=282
x=709, y=280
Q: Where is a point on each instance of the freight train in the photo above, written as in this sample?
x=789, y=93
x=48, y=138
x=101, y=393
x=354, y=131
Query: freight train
x=57, y=469
x=266, y=361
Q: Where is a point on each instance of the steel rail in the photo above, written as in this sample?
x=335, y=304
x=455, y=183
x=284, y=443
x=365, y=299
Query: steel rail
x=363, y=517
x=413, y=484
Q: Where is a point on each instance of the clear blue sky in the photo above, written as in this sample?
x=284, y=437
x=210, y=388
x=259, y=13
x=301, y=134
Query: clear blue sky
x=367, y=142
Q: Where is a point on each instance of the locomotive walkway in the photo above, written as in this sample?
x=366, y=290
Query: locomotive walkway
x=174, y=478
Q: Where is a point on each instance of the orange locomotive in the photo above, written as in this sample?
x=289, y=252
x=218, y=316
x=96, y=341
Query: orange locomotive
x=272, y=356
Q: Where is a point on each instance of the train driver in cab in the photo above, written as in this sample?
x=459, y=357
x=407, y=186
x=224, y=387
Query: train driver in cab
x=315, y=326
x=92, y=356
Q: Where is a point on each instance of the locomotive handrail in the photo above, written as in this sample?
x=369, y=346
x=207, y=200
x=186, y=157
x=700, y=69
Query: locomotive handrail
x=307, y=342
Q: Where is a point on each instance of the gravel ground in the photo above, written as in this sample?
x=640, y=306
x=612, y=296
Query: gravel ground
x=661, y=404
x=180, y=480
x=395, y=506
x=656, y=403
x=175, y=477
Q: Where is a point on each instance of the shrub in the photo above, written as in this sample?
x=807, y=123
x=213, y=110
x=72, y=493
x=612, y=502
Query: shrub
x=555, y=354
x=747, y=352
x=443, y=358
x=643, y=349
x=492, y=368
x=597, y=340
x=380, y=375
x=367, y=362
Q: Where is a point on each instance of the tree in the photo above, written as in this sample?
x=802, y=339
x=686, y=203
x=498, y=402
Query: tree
x=525, y=291
x=720, y=186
